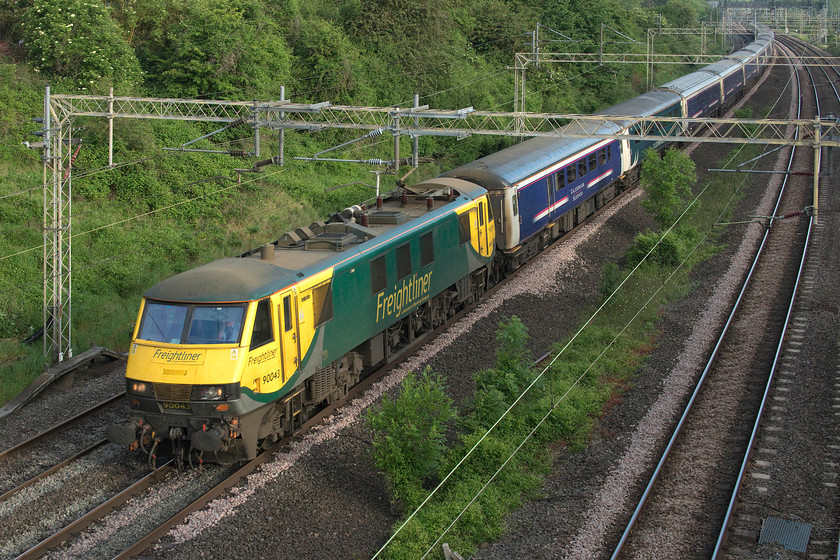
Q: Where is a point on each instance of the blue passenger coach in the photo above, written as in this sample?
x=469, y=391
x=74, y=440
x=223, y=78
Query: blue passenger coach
x=540, y=180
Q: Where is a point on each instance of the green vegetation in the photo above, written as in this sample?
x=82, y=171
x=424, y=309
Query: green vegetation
x=563, y=401
x=667, y=182
x=409, y=436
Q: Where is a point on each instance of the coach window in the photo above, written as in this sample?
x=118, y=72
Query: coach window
x=262, y=325
x=609, y=152
x=561, y=180
x=592, y=161
x=378, y=275
x=427, y=249
x=581, y=166
x=571, y=175
x=403, y=261
x=602, y=156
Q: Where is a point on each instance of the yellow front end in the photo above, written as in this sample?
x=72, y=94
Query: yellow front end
x=185, y=370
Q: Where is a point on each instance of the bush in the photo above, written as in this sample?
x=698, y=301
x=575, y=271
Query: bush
x=214, y=48
x=667, y=183
x=671, y=250
x=409, y=436
x=499, y=387
x=79, y=40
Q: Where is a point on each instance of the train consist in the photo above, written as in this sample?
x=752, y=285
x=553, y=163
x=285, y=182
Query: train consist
x=237, y=353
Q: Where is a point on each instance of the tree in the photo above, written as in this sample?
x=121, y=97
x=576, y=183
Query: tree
x=212, y=48
x=79, y=40
x=667, y=182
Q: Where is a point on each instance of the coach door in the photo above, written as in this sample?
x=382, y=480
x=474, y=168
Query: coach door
x=289, y=333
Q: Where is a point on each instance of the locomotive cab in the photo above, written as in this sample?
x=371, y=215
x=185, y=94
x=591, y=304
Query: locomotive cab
x=184, y=371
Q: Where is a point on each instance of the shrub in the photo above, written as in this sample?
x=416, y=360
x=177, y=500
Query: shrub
x=498, y=387
x=79, y=40
x=409, y=436
x=671, y=250
x=667, y=183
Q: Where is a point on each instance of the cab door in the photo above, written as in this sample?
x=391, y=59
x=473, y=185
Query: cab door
x=485, y=228
x=289, y=333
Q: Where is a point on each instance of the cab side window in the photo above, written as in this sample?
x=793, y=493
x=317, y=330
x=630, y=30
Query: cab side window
x=464, y=227
x=378, y=275
x=262, y=325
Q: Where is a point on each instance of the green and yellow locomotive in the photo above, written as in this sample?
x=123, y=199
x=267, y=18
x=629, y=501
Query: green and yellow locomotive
x=238, y=352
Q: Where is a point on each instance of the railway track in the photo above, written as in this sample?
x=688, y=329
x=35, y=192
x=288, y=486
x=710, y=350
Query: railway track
x=786, y=496
x=684, y=506
x=20, y=453
x=39, y=469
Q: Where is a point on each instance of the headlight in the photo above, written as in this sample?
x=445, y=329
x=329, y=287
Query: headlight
x=139, y=388
x=208, y=393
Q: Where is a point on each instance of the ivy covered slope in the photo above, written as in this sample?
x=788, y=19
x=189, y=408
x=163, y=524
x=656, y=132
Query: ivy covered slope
x=158, y=212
